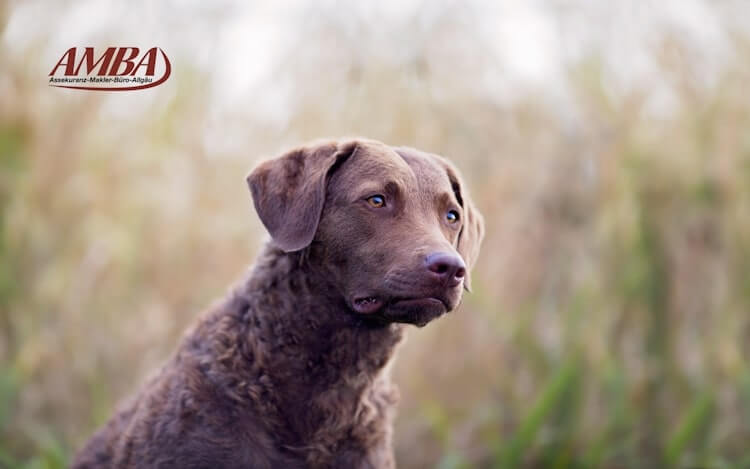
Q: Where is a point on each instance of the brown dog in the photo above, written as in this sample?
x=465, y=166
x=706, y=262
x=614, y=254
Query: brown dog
x=290, y=370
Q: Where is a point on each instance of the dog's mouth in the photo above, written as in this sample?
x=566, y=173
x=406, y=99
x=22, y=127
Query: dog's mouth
x=418, y=311
x=367, y=304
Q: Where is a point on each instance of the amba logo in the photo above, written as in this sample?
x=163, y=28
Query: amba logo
x=117, y=69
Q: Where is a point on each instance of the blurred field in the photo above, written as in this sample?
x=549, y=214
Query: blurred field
x=609, y=326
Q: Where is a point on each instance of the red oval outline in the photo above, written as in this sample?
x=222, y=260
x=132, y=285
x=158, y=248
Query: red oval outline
x=167, y=73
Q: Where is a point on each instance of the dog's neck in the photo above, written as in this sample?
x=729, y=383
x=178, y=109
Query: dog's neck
x=311, y=346
x=307, y=324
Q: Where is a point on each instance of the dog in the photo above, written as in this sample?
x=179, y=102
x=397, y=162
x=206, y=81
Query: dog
x=290, y=370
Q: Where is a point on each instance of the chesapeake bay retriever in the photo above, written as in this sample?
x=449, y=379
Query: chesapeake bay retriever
x=291, y=369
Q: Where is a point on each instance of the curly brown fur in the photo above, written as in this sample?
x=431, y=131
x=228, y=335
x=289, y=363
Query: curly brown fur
x=290, y=370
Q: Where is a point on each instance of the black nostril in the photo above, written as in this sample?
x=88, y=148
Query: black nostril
x=440, y=268
x=447, y=267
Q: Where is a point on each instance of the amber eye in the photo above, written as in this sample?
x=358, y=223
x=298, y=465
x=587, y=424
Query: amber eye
x=376, y=201
x=451, y=216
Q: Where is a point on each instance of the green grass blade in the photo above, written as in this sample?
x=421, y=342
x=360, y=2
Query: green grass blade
x=697, y=418
x=551, y=396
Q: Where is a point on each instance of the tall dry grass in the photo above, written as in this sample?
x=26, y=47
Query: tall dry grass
x=608, y=326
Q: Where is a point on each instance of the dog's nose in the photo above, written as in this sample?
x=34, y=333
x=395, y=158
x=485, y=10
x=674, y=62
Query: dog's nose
x=445, y=267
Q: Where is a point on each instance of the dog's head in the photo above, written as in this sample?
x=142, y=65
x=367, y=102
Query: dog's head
x=392, y=229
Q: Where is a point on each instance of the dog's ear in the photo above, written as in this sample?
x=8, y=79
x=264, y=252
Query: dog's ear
x=472, y=228
x=289, y=191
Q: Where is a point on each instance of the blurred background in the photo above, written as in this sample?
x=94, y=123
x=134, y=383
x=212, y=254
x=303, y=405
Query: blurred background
x=606, y=143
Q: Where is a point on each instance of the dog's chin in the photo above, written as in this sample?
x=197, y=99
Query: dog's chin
x=416, y=311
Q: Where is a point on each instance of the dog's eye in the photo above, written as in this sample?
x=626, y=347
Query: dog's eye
x=376, y=201
x=451, y=216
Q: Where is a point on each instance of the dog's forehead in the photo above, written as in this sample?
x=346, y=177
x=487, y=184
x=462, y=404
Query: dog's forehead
x=413, y=169
x=373, y=160
x=431, y=172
